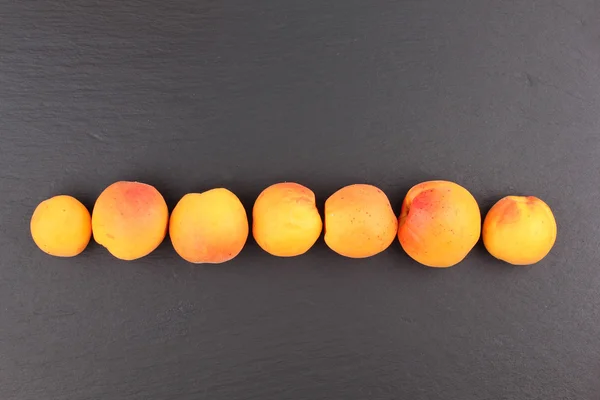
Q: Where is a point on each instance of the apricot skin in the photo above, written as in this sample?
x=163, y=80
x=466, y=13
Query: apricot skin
x=359, y=221
x=209, y=227
x=130, y=219
x=439, y=223
x=61, y=226
x=519, y=230
x=285, y=219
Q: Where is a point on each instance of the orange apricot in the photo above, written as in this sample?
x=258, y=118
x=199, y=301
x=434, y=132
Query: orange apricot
x=359, y=221
x=520, y=230
x=209, y=227
x=285, y=219
x=439, y=223
x=130, y=219
x=61, y=226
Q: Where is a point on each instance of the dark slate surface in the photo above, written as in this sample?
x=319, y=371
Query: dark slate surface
x=500, y=96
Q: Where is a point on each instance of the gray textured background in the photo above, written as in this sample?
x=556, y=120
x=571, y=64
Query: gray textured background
x=500, y=96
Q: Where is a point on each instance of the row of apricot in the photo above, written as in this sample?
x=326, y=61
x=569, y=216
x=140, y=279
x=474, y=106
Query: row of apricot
x=439, y=223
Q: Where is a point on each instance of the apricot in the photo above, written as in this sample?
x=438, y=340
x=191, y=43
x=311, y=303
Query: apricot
x=519, y=230
x=130, y=219
x=439, y=223
x=359, y=221
x=209, y=227
x=285, y=219
x=61, y=226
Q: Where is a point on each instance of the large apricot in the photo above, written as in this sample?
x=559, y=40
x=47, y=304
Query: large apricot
x=519, y=230
x=285, y=219
x=130, y=219
x=61, y=226
x=359, y=221
x=209, y=227
x=439, y=223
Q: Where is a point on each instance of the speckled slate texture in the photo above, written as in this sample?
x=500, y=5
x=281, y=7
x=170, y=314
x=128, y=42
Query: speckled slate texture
x=501, y=96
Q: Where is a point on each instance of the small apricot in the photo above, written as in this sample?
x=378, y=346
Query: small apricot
x=285, y=219
x=61, y=226
x=519, y=230
x=359, y=221
x=130, y=219
x=209, y=227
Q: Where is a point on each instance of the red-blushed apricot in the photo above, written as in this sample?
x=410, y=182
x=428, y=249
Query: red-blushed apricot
x=439, y=223
x=359, y=221
x=285, y=219
x=130, y=219
x=520, y=230
x=209, y=227
x=61, y=226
